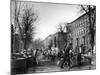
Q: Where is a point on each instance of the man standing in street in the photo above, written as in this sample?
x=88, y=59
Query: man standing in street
x=66, y=56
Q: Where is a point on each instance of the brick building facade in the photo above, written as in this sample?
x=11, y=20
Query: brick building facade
x=80, y=29
x=55, y=40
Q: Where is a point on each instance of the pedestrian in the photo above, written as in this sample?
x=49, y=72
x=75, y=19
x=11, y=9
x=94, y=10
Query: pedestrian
x=71, y=57
x=66, y=56
x=52, y=56
x=89, y=56
x=36, y=55
x=60, y=54
x=79, y=58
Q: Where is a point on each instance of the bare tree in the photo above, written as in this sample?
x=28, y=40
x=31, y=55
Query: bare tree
x=24, y=20
x=15, y=12
x=28, y=25
x=12, y=37
x=88, y=9
x=65, y=35
x=61, y=29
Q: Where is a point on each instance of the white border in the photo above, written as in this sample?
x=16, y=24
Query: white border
x=5, y=37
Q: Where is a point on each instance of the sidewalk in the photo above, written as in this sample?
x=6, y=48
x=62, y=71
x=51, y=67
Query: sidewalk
x=54, y=68
x=49, y=66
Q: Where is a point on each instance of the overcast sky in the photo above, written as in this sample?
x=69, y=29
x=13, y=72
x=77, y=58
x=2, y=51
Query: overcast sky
x=50, y=15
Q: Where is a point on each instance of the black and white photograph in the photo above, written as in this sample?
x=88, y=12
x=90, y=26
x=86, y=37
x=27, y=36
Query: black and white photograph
x=52, y=37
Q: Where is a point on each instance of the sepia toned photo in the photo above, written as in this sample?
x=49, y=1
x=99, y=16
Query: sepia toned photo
x=52, y=37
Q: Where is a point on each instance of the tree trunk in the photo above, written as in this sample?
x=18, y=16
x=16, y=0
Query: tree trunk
x=90, y=30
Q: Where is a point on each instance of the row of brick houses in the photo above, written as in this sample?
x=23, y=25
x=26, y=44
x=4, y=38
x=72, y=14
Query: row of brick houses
x=80, y=29
x=79, y=33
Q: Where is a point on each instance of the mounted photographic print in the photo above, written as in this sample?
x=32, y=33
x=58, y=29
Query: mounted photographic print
x=52, y=37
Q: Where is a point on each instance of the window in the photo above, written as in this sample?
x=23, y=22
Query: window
x=85, y=24
x=80, y=23
x=87, y=19
x=82, y=31
x=79, y=32
x=75, y=25
x=76, y=33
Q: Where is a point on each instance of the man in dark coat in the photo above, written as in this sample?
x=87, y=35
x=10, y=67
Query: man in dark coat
x=79, y=57
x=66, y=56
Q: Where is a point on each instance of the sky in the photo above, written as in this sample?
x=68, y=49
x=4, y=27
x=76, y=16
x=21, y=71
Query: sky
x=50, y=15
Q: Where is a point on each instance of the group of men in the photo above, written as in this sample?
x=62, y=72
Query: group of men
x=68, y=54
x=65, y=56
